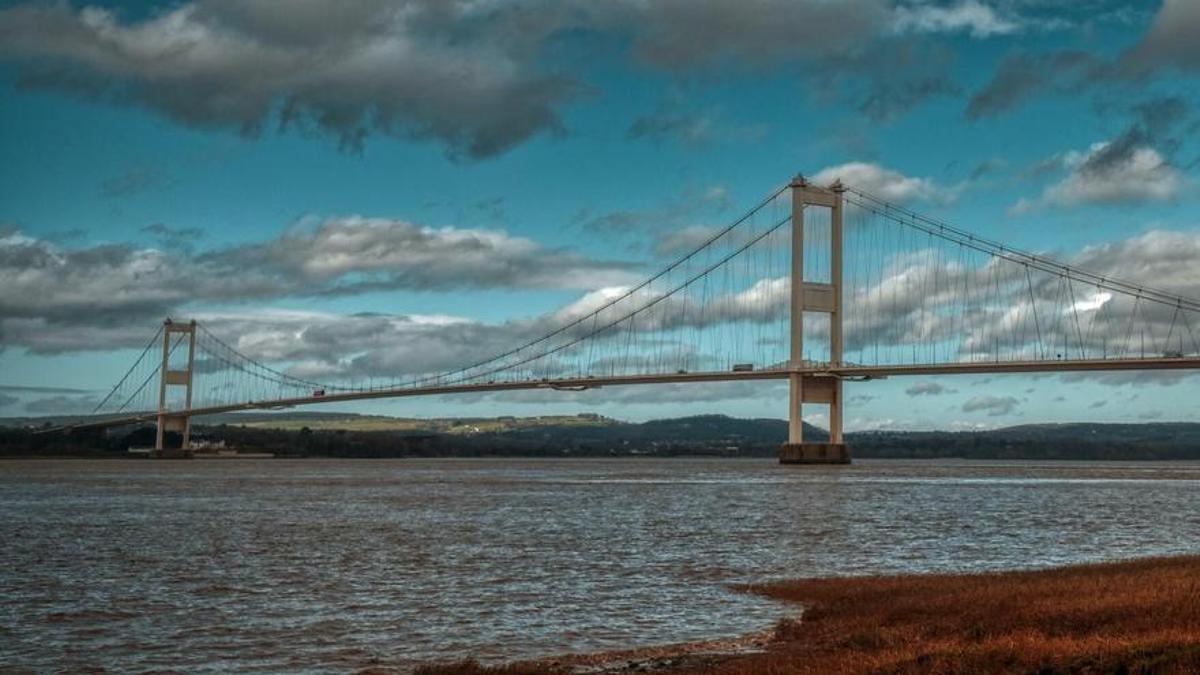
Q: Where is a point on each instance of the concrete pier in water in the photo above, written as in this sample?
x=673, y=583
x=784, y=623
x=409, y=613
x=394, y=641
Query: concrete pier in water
x=814, y=453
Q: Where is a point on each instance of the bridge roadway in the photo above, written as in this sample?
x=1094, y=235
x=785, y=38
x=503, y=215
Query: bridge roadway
x=847, y=372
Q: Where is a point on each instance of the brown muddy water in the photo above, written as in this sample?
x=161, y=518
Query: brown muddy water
x=324, y=565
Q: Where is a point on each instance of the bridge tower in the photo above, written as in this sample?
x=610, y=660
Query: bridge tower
x=169, y=377
x=820, y=297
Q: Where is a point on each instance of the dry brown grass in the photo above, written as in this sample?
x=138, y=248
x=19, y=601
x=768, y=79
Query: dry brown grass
x=1132, y=617
x=1140, y=616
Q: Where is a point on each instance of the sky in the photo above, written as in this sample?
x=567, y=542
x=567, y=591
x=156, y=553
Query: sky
x=401, y=174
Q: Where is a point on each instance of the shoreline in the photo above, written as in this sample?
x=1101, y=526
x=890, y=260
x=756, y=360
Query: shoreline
x=1138, y=615
x=940, y=460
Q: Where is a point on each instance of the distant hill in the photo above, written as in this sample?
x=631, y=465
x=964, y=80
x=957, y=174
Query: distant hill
x=587, y=434
x=1160, y=440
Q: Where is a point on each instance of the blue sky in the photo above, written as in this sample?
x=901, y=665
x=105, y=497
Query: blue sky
x=185, y=158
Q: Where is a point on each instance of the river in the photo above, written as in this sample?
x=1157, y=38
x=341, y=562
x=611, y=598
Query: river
x=318, y=565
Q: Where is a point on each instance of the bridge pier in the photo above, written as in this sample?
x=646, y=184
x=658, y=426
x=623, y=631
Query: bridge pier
x=814, y=453
x=821, y=297
x=814, y=389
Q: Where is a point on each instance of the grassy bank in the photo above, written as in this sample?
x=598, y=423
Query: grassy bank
x=1130, y=617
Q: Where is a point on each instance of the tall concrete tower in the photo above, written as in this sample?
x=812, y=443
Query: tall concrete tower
x=818, y=297
x=169, y=377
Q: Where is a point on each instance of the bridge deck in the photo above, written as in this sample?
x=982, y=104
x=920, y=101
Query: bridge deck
x=575, y=384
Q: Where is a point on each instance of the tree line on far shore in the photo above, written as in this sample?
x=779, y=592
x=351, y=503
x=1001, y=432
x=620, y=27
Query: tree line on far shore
x=706, y=435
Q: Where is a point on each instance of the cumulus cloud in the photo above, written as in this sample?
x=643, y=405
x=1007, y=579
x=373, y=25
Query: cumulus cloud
x=391, y=347
x=587, y=336
x=349, y=69
x=919, y=299
x=988, y=308
x=969, y=16
x=106, y=306
x=927, y=389
x=471, y=75
x=60, y=299
x=1170, y=41
x=994, y=406
x=477, y=77
x=1110, y=172
x=885, y=183
x=399, y=254
x=113, y=286
x=897, y=310
x=333, y=347
x=675, y=332
x=327, y=346
x=1133, y=167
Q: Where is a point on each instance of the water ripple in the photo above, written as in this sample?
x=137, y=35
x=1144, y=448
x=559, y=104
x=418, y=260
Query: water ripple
x=337, y=565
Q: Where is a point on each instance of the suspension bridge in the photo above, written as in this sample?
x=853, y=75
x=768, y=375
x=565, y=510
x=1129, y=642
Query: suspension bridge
x=816, y=285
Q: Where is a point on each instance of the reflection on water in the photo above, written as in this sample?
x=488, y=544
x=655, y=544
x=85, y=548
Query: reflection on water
x=320, y=565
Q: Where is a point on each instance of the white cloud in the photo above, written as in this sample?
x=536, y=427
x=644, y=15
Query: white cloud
x=1092, y=303
x=994, y=406
x=347, y=68
x=969, y=16
x=471, y=75
x=927, y=389
x=895, y=312
x=398, y=253
x=886, y=183
x=48, y=291
x=1109, y=172
x=924, y=299
x=1159, y=258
